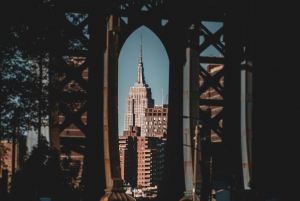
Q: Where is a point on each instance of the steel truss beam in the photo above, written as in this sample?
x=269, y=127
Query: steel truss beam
x=78, y=98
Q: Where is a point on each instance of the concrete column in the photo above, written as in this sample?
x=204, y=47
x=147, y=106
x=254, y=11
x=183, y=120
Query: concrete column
x=190, y=106
x=244, y=138
x=93, y=168
x=110, y=101
x=173, y=179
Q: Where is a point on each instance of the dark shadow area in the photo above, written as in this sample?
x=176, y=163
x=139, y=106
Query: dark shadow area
x=270, y=30
x=44, y=174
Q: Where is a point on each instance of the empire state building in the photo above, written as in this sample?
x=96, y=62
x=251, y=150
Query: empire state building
x=140, y=97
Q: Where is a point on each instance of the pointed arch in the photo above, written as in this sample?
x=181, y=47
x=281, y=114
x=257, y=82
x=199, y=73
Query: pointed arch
x=156, y=66
x=127, y=30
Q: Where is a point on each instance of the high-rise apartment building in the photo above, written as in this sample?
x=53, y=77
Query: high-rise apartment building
x=141, y=158
x=12, y=154
x=150, y=164
x=156, y=121
x=211, y=93
x=140, y=97
x=128, y=155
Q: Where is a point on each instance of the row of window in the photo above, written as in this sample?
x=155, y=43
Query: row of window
x=154, y=123
x=155, y=118
x=157, y=110
x=157, y=127
x=155, y=114
x=154, y=130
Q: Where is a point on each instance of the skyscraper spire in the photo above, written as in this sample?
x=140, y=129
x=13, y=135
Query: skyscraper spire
x=140, y=80
x=141, y=56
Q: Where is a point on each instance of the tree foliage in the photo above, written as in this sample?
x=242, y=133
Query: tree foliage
x=44, y=174
x=32, y=35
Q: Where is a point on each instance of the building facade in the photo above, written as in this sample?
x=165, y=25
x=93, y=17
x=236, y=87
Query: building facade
x=128, y=155
x=140, y=97
x=156, y=121
x=150, y=161
x=72, y=138
x=7, y=159
x=141, y=159
x=211, y=93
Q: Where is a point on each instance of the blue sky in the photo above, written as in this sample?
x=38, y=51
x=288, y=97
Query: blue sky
x=156, y=65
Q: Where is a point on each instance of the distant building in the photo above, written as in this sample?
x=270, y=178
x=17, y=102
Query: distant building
x=150, y=161
x=143, y=142
x=11, y=164
x=140, y=97
x=141, y=158
x=156, y=121
x=72, y=138
x=8, y=159
x=128, y=155
x=211, y=93
x=32, y=137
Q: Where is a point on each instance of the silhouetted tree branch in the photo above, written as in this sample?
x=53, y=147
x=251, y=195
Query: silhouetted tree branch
x=44, y=174
x=32, y=36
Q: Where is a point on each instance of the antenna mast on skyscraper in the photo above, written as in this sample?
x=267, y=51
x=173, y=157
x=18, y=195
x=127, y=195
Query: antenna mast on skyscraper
x=162, y=97
x=141, y=50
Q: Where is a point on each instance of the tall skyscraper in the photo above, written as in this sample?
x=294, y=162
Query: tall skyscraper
x=145, y=127
x=140, y=97
x=128, y=155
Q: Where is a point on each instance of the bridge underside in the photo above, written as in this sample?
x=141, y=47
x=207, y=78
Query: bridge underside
x=241, y=52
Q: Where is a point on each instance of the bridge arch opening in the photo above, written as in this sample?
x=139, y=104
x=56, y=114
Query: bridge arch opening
x=156, y=68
